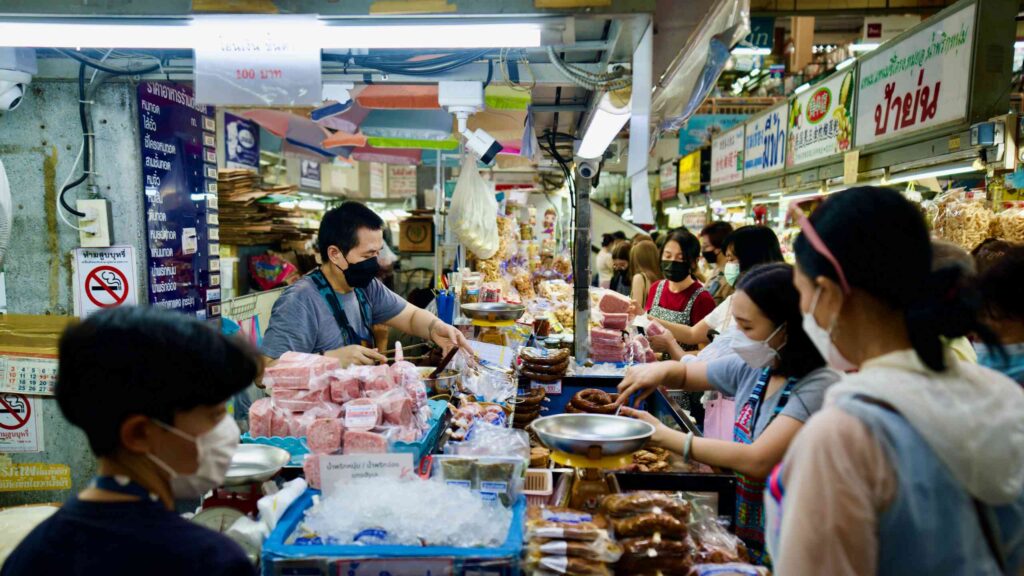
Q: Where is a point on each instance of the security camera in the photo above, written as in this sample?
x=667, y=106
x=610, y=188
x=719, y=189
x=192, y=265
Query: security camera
x=587, y=168
x=463, y=99
x=482, y=144
x=17, y=66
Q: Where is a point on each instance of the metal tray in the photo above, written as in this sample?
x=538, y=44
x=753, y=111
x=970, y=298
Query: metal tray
x=255, y=463
x=592, y=435
x=493, y=311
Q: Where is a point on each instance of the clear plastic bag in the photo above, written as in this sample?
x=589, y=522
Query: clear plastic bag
x=473, y=212
x=485, y=439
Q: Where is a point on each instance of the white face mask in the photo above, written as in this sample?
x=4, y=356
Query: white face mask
x=731, y=272
x=756, y=353
x=822, y=338
x=214, y=450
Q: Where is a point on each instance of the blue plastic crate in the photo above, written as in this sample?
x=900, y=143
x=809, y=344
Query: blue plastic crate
x=278, y=558
x=298, y=449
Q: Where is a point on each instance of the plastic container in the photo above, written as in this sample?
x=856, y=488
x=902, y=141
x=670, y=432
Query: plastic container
x=278, y=558
x=298, y=449
x=538, y=486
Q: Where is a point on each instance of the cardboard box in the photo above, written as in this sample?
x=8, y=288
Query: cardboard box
x=416, y=234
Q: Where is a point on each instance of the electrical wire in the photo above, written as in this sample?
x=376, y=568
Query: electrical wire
x=586, y=79
x=64, y=186
x=82, y=118
x=503, y=65
x=99, y=65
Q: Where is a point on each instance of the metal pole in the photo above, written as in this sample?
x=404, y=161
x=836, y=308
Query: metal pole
x=439, y=220
x=581, y=275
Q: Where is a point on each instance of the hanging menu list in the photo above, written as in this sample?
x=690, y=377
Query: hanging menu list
x=179, y=171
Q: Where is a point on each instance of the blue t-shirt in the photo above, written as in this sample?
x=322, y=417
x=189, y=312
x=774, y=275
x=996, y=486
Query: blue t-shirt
x=301, y=321
x=733, y=377
x=124, y=538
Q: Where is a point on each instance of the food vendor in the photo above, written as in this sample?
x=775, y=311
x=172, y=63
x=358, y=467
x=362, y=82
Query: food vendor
x=160, y=432
x=776, y=376
x=332, y=310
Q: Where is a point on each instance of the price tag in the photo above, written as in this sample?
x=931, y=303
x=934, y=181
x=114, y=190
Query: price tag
x=549, y=387
x=347, y=467
x=252, y=63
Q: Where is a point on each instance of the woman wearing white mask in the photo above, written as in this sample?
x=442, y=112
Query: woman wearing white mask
x=148, y=387
x=776, y=376
x=916, y=464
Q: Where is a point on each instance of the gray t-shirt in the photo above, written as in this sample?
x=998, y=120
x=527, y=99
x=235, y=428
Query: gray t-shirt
x=301, y=321
x=732, y=376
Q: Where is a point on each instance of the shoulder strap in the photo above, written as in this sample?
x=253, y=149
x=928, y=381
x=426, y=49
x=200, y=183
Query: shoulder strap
x=690, y=302
x=348, y=334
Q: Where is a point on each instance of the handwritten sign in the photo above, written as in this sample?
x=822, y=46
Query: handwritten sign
x=250, y=62
x=820, y=121
x=727, y=157
x=918, y=83
x=764, y=148
x=343, y=468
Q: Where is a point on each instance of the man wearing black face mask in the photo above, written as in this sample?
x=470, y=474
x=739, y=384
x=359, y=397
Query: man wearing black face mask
x=333, y=309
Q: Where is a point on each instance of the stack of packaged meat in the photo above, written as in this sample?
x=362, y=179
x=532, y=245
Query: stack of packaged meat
x=571, y=542
x=355, y=410
x=611, y=342
x=652, y=529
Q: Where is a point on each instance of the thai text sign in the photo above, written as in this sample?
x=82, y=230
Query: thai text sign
x=764, y=149
x=727, y=157
x=920, y=82
x=820, y=121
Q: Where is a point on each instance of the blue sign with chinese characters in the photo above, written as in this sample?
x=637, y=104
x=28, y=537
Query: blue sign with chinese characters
x=179, y=178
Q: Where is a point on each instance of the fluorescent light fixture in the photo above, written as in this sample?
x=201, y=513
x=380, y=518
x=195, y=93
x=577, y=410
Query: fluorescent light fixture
x=864, y=47
x=750, y=51
x=802, y=88
x=606, y=121
x=206, y=31
x=845, y=64
x=734, y=205
x=937, y=172
x=312, y=205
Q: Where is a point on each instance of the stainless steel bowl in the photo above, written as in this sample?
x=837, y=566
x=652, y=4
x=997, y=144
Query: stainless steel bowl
x=493, y=311
x=447, y=381
x=255, y=463
x=592, y=435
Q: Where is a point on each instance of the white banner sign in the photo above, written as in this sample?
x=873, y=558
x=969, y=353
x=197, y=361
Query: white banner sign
x=764, y=148
x=727, y=157
x=246, y=61
x=819, y=121
x=918, y=83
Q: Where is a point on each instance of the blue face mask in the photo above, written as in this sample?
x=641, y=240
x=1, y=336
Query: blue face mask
x=1012, y=366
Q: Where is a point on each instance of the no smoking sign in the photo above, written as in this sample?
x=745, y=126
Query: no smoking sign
x=104, y=278
x=21, y=424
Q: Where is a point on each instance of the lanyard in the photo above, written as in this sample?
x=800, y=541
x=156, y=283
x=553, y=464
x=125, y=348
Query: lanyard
x=122, y=485
x=348, y=334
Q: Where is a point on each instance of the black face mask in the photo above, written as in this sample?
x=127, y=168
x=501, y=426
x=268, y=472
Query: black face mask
x=360, y=275
x=675, y=271
x=710, y=257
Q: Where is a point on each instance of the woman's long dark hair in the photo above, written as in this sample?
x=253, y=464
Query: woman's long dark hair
x=881, y=241
x=770, y=287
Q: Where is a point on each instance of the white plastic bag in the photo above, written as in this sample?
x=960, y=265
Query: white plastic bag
x=473, y=214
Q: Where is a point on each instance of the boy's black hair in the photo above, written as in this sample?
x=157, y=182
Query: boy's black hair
x=717, y=232
x=1000, y=286
x=340, y=227
x=770, y=287
x=148, y=361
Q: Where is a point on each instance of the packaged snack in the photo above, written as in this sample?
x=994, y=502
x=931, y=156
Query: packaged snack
x=555, y=523
x=650, y=524
x=600, y=550
x=622, y=505
x=655, y=556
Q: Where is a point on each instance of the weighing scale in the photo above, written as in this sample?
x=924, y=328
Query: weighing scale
x=493, y=322
x=590, y=483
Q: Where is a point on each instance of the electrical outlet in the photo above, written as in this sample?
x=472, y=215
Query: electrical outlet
x=95, y=225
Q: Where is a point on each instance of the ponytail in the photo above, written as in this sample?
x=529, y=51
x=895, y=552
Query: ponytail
x=947, y=308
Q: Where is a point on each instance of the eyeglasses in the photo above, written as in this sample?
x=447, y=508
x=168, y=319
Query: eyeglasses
x=817, y=243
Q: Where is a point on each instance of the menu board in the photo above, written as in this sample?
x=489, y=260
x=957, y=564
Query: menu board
x=820, y=121
x=179, y=179
x=764, y=148
x=898, y=91
x=727, y=157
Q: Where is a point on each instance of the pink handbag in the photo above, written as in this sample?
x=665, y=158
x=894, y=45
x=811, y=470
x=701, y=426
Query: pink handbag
x=719, y=418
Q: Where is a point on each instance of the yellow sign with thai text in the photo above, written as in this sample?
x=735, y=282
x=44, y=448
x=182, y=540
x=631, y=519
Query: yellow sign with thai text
x=33, y=476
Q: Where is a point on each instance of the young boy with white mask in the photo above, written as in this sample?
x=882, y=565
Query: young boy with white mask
x=148, y=387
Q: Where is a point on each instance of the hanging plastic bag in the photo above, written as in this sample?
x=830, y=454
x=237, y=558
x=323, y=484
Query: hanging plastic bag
x=473, y=212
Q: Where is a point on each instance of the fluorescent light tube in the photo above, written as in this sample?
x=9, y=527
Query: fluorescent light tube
x=802, y=88
x=961, y=168
x=845, y=64
x=206, y=31
x=865, y=47
x=751, y=51
x=605, y=123
x=312, y=205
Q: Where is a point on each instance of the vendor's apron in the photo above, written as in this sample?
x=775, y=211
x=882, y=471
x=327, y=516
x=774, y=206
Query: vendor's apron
x=348, y=335
x=686, y=400
x=750, y=491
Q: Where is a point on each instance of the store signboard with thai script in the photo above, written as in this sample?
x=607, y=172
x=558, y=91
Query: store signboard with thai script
x=819, y=121
x=918, y=83
x=764, y=148
x=727, y=157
